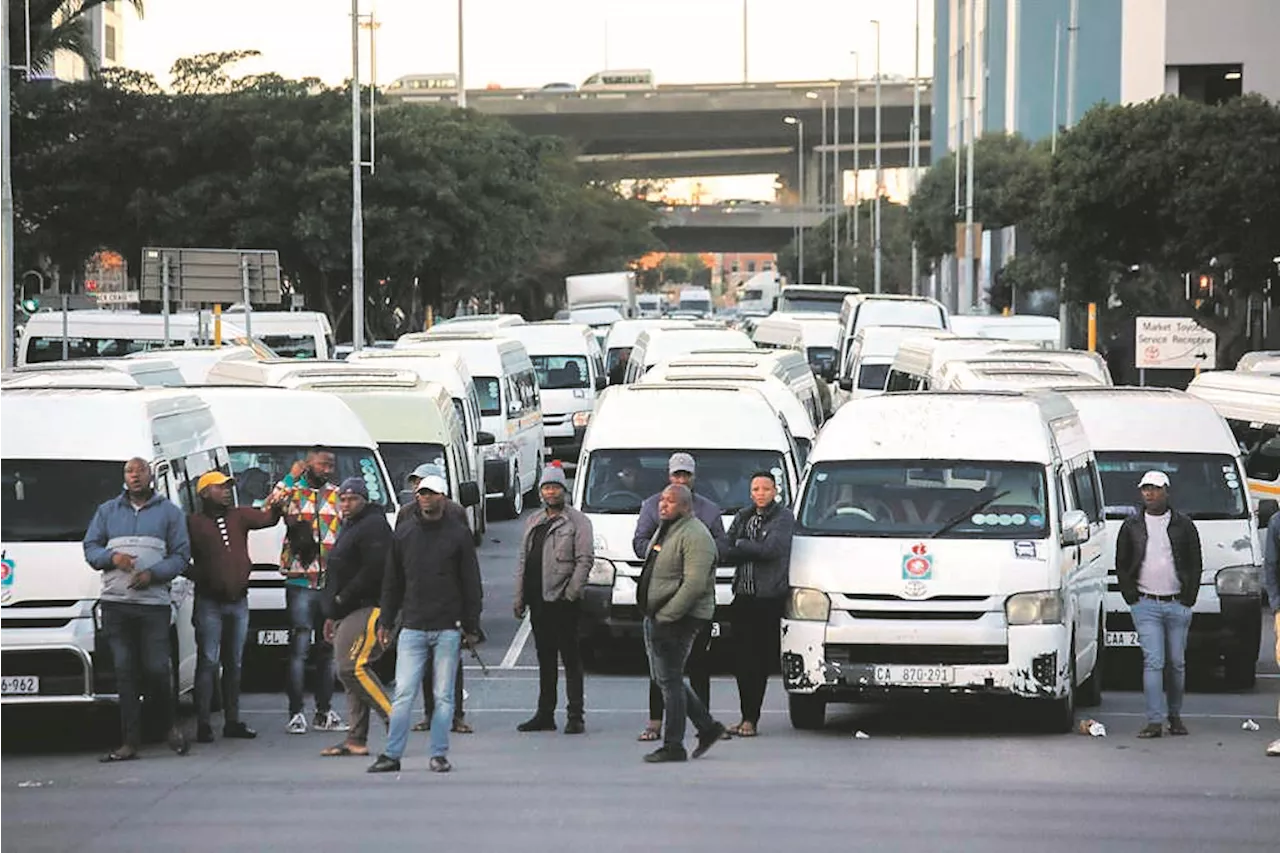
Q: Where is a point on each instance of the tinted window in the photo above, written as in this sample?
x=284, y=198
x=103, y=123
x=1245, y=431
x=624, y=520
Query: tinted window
x=258, y=469
x=557, y=372
x=401, y=458
x=1086, y=493
x=291, y=346
x=489, y=393
x=53, y=500
x=810, y=306
x=1204, y=486
x=892, y=312
x=873, y=376
x=618, y=481
x=50, y=349
x=821, y=359
x=1260, y=448
x=984, y=500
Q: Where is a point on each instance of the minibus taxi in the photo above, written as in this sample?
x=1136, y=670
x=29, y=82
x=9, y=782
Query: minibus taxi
x=1250, y=404
x=939, y=560
x=993, y=375
x=868, y=355
x=622, y=338
x=668, y=341
x=570, y=368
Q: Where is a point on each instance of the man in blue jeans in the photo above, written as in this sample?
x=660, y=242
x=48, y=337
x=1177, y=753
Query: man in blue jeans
x=432, y=584
x=1158, y=563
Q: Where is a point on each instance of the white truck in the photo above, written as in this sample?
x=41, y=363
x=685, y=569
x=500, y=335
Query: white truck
x=602, y=290
x=757, y=295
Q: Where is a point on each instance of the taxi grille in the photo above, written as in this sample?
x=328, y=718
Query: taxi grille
x=916, y=654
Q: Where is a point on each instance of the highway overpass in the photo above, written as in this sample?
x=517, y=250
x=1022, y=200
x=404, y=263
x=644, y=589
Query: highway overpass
x=759, y=227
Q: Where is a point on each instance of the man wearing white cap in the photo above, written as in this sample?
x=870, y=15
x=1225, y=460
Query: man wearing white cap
x=1158, y=564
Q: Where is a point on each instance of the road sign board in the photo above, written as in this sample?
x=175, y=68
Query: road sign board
x=208, y=276
x=1173, y=343
x=116, y=297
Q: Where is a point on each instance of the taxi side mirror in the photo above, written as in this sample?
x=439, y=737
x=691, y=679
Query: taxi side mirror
x=1075, y=527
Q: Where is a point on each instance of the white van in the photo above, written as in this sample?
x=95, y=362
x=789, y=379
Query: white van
x=930, y=560
x=620, y=340
x=667, y=341
x=471, y=323
x=570, y=368
x=1250, y=404
x=1081, y=361
x=731, y=432
x=64, y=454
x=919, y=361
x=649, y=306
x=868, y=355
x=696, y=300
x=97, y=333
x=266, y=430
x=268, y=371
x=153, y=373
x=994, y=375
x=1262, y=361
x=757, y=295
x=816, y=336
x=414, y=423
x=193, y=362
x=813, y=298
x=889, y=309
x=787, y=365
x=1030, y=329
x=510, y=410
x=1207, y=482
x=290, y=334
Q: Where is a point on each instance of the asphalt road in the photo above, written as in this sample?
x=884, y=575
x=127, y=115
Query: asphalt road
x=948, y=776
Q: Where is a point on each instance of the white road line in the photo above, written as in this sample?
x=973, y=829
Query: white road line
x=517, y=644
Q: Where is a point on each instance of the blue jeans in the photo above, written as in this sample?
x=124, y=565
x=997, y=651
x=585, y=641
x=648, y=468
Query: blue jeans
x=138, y=635
x=306, y=615
x=668, y=645
x=1162, y=632
x=412, y=650
x=221, y=631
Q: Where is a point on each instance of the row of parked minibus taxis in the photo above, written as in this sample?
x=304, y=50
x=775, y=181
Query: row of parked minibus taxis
x=956, y=537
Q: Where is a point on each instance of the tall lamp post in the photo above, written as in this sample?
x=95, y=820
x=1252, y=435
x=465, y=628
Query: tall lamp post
x=875, y=234
x=357, y=202
x=799, y=123
x=857, y=145
x=462, y=86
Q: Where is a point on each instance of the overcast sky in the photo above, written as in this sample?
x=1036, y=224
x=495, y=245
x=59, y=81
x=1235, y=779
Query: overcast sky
x=519, y=43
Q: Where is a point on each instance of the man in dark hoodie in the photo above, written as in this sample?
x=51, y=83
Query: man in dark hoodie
x=356, y=566
x=432, y=584
x=220, y=567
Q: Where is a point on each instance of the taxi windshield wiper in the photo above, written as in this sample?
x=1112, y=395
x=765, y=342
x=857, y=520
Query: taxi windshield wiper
x=961, y=516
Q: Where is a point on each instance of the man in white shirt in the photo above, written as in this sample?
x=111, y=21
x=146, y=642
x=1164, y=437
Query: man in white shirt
x=1158, y=563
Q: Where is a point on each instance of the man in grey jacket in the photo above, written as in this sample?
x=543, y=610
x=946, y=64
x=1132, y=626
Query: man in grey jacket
x=555, y=558
x=139, y=541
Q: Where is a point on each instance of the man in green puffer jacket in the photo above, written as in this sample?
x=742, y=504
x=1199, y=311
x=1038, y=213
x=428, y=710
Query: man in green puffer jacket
x=677, y=595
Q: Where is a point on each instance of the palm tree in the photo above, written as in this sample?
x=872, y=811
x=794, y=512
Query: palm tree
x=56, y=25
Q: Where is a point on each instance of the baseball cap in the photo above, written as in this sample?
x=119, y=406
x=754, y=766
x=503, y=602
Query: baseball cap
x=1154, y=478
x=354, y=486
x=433, y=482
x=426, y=469
x=553, y=475
x=211, y=478
x=680, y=462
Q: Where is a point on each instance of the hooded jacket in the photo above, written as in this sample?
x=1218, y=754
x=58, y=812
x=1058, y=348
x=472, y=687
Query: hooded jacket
x=357, y=562
x=154, y=533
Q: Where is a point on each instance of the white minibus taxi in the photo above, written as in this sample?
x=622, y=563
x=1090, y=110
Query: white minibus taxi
x=868, y=355
x=1250, y=404
x=64, y=454
x=1029, y=329
x=932, y=559
x=993, y=375
x=193, y=362
x=510, y=410
x=1081, y=361
x=919, y=360
x=155, y=372
x=96, y=333
x=290, y=334
x=1207, y=483
x=267, y=429
x=731, y=433
x=1261, y=361
x=816, y=336
x=471, y=323
x=668, y=341
x=862, y=310
x=788, y=365
x=622, y=338
x=570, y=368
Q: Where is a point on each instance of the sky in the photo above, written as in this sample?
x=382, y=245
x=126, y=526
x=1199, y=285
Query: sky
x=528, y=43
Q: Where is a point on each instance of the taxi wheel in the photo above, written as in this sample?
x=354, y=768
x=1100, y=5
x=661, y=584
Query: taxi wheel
x=807, y=712
x=512, y=503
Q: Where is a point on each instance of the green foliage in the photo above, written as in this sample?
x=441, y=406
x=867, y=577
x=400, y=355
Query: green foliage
x=857, y=268
x=56, y=25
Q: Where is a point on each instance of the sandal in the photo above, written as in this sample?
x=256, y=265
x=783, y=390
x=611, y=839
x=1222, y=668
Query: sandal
x=423, y=725
x=344, y=749
x=650, y=733
x=462, y=727
x=744, y=729
x=117, y=755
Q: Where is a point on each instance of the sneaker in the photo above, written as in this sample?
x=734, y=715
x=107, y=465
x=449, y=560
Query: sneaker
x=384, y=765
x=239, y=731
x=537, y=723
x=1273, y=748
x=574, y=726
x=297, y=724
x=439, y=764
x=708, y=739
x=1177, y=727
x=1151, y=730
x=178, y=741
x=663, y=754
x=329, y=721
x=204, y=733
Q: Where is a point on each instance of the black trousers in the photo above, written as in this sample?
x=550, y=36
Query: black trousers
x=698, y=669
x=138, y=635
x=555, y=635
x=757, y=640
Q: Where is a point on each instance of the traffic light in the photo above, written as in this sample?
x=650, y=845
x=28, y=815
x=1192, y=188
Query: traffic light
x=31, y=305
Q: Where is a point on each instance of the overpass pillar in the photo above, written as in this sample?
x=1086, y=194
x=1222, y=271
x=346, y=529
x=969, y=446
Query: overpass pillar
x=812, y=180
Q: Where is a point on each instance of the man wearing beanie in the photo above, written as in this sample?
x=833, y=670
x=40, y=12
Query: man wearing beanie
x=555, y=557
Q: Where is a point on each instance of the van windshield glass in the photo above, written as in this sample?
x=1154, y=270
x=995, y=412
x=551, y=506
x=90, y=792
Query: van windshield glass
x=558, y=372
x=618, y=481
x=909, y=498
x=871, y=377
x=1260, y=446
x=257, y=469
x=401, y=457
x=489, y=393
x=291, y=346
x=810, y=304
x=821, y=359
x=53, y=500
x=50, y=349
x=892, y=312
x=616, y=364
x=1204, y=486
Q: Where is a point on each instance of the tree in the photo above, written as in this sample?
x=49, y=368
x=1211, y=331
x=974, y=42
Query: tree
x=56, y=25
x=856, y=268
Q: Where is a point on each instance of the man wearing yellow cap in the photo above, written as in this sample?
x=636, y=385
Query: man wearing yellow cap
x=220, y=567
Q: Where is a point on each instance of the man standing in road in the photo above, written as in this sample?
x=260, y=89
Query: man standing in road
x=356, y=566
x=432, y=582
x=220, y=568
x=1271, y=582
x=760, y=549
x=138, y=540
x=309, y=503
x=1158, y=563
x=680, y=472
x=676, y=594
x=556, y=554
x=455, y=511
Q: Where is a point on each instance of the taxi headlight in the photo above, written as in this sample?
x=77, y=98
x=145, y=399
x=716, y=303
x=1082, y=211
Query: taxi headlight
x=808, y=605
x=580, y=419
x=1238, y=580
x=602, y=572
x=1034, y=608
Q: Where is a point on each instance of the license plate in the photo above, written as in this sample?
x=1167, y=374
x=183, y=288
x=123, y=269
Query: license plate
x=1122, y=638
x=914, y=676
x=274, y=637
x=715, y=630
x=20, y=685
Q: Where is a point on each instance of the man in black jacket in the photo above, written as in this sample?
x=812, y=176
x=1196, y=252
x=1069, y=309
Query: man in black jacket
x=1158, y=564
x=760, y=550
x=432, y=581
x=356, y=564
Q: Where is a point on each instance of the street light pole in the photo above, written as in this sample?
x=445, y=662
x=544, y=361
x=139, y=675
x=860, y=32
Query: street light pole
x=744, y=41
x=462, y=86
x=357, y=202
x=970, y=278
x=837, y=189
x=6, y=197
x=875, y=234
x=915, y=152
x=857, y=147
x=799, y=123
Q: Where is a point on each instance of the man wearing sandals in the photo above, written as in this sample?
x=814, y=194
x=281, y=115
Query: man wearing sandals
x=138, y=540
x=760, y=550
x=353, y=587
x=680, y=471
